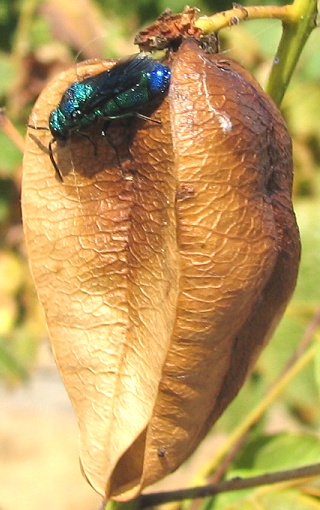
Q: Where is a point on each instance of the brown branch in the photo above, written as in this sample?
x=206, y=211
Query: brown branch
x=305, y=341
x=235, y=484
x=11, y=131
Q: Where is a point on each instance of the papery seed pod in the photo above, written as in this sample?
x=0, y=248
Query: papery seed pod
x=163, y=278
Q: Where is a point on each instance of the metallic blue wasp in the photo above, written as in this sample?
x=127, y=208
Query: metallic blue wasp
x=113, y=94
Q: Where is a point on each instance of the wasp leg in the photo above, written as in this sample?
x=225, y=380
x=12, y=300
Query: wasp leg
x=53, y=161
x=109, y=140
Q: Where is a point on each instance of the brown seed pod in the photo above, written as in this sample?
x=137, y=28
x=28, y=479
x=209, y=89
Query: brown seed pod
x=162, y=278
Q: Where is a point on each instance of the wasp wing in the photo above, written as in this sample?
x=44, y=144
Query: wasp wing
x=121, y=77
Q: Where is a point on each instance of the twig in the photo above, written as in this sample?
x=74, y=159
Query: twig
x=304, y=342
x=239, y=13
x=298, y=20
x=288, y=374
x=295, y=34
x=11, y=131
x=157, y=498
x=300, y=350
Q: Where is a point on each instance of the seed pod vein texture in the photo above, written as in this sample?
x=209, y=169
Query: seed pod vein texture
x=162, y=279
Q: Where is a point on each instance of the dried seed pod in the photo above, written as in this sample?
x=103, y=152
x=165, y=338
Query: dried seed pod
x=163, y=278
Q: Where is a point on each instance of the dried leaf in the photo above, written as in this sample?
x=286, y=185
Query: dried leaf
x=169, y=29
x=161, y=277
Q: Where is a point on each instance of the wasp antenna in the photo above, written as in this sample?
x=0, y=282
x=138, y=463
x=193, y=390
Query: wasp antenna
x=144, y=117
x=44, y=128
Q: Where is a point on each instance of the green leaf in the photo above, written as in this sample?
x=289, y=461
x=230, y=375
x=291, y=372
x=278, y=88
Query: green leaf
x=11, y=157
x=287, y=451
x=10, y=367
x=286, y=500
x=308, y=215
x=267, y=33
x=268, y=454
x=301, y=107
x=310, y=61
x=7, y=74
x=317, y=367
x=265, y=498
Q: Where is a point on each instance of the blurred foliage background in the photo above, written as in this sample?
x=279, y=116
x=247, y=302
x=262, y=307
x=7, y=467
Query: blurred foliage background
x=40, y=38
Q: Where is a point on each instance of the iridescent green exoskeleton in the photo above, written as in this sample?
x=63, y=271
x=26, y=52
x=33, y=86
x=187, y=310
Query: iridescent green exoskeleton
x=113, y=94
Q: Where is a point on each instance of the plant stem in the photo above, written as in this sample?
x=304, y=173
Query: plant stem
x=306, y=339
x=11, y=131
x=290, y=372
x=296, y=31
x=21, y=45
x=298, y=361
x=233, y=16
x=298, y=19
x=235, y=484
